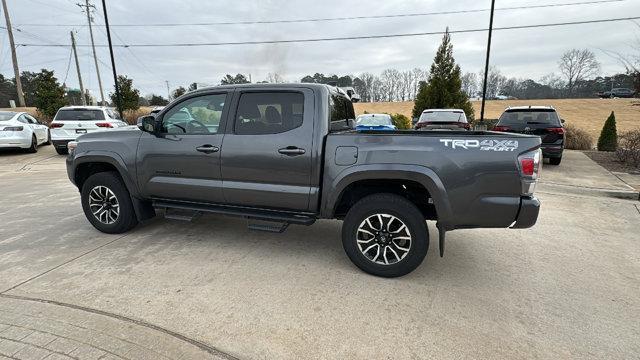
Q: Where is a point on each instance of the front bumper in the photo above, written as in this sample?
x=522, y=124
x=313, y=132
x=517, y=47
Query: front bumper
x=528, y=213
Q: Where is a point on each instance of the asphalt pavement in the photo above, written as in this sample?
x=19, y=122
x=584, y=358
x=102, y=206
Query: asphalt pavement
x=567, y=288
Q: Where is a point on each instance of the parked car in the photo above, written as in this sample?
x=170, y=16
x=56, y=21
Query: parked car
x=73, y=121
x=375, y=122
x=21, y=130
x=617, y=93
x=536, y=120
x=443, y=119
x=288, y=154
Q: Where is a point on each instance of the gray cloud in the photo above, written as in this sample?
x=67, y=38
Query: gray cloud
x=529, y=53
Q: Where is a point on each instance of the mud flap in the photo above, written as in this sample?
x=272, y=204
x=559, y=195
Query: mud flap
x=441, y=234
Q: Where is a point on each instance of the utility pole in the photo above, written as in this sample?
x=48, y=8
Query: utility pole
x=12, y=44
x=75, y=55
x=113, y=62
x=87, y=8
x=168, y=92
x=486, y=65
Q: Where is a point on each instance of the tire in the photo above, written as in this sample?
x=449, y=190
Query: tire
x=48, y=142
x=62, y=151
x=555, y=161
x=34, y=145
x=94, y=199
x=387, y=206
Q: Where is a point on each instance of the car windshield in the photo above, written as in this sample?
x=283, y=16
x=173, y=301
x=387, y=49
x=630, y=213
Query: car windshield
x=529, y=116
x=79, y=114
x=6, y=115
x=377, y=120
x=442, y=116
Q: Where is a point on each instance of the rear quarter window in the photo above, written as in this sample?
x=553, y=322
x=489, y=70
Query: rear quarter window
x=341, y=112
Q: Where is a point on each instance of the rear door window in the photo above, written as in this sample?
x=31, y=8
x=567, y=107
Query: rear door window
x=80, y=115
x=262, y=113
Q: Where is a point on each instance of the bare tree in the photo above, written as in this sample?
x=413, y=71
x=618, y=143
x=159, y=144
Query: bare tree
x=406, y=85
x=495, y=81
x=365, y=92
x=418, y=76
x=577, y=65
x=275, y=78
x=470, y=84
x=377, y=90
x=391, y=81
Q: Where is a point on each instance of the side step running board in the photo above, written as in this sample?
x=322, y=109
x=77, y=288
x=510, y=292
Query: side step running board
x=269, y=226
x=273, y=216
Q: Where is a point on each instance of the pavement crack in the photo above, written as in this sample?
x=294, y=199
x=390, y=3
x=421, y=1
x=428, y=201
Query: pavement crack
x=61, y=265
x=209, y=349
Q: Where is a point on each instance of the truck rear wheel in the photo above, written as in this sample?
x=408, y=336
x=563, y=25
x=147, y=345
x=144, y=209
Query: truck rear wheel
x=385, y=235
x=107, y=204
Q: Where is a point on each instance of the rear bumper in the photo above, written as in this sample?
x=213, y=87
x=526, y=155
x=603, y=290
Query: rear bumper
x=552, y=150
x=528, y=213
x=15, y=140
x=60, y=144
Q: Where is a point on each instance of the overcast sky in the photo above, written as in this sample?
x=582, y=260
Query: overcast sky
x=526, y=53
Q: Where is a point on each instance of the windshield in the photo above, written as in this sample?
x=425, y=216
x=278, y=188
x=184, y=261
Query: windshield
x=79, y=114
x=377, y=120
x=6, y=115
x=529, y=116
x=442, y=116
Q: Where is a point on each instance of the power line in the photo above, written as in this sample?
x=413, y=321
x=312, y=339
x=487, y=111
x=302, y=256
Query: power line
x=346, y=18
x=364, y=37
x=68, y=67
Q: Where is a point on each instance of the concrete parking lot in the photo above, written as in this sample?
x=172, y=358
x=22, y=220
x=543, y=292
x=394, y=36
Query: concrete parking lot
x=567, y=288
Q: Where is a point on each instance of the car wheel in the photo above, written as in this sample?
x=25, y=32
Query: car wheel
x=48, y=142
x=34, y=145
x=62, y=150
x=107, y=203
x=385, y=235
x=555, y=161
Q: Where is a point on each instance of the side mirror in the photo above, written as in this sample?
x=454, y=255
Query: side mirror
x=147, y=123
x=562, y=121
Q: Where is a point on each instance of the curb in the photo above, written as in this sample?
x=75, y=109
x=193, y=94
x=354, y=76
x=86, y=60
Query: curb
x=589, y=191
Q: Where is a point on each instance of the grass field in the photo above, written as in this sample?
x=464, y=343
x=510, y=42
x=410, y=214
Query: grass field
x=588, y=114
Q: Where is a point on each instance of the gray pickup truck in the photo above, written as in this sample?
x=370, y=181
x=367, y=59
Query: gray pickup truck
x=287, y=154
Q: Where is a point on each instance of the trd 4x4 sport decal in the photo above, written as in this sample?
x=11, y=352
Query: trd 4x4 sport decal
x=483, y=145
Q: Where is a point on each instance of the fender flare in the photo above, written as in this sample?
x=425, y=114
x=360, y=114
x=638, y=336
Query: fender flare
x=110, y=158
x=420, y=174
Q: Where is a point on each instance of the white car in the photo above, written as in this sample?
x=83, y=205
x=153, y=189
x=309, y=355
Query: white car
x=73, y=121
x=21, y=130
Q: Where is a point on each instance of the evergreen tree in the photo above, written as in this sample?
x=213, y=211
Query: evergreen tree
x=128, y=94
x=608, y=140
x=178, y=92
x=49, y=94
x=444, y=86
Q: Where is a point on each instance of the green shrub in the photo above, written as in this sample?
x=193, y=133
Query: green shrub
x=401, y=122
x=608, y=140
x=577, y=139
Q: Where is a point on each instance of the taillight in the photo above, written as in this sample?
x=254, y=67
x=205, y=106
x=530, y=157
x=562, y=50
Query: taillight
x=13, y=128
x=104, y=125
x=501, y=128
x=529, y=165
x=54, y=125
x=558, y=130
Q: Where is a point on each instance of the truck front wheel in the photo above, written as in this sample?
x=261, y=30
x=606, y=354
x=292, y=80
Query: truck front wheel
x=107, y=204
x=385, y=235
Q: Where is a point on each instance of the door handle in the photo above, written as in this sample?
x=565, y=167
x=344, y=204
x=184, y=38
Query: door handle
x=208, y=149
x=291, y=151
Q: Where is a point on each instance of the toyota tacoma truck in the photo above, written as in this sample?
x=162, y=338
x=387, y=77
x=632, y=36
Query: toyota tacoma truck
x=289, y=154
